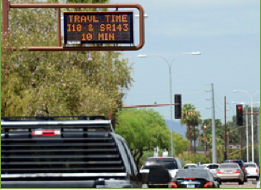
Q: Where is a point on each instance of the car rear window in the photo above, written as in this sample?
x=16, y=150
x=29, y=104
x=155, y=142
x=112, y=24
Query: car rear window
x=239, y=162
x=250, y=165
x=192, y=174
x=167, y=163
x=228, y=166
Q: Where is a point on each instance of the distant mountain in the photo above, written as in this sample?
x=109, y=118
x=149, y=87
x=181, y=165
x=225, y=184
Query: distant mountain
x=177, y=128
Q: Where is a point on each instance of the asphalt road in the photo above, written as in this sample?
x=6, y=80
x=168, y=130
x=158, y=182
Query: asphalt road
x=247, y=184
x=235, y=185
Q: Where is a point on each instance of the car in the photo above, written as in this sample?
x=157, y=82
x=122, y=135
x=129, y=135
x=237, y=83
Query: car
x=242, y=166
x=172, y=164
x=257, y=183
x=194, y=178
x=230, y=172
x=212, y=167
x=159, y=177
x=252, y=170
x=189, y=166
x=65, y=152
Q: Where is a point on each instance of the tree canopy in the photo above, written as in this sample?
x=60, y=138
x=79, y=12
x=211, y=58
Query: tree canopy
x=57, y=83
x=144, y=130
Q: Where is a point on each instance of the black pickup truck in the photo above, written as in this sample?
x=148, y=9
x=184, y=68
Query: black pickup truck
x=65, y=152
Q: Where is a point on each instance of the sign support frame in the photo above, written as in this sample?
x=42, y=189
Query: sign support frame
x=6, y=6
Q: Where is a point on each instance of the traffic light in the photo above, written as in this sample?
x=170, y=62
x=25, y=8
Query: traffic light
x=178, y=107
x=239, y=114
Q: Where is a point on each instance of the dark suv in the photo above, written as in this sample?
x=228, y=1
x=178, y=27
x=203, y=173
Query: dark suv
x=242, y=166
x=65, y=152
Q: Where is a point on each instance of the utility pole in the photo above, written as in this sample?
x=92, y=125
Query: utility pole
x=258, y=134
x=241, y=143
x=247, y=151
x=214, y=150
x=225, y=152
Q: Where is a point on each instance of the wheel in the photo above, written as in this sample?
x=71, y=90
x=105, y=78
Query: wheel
x=240, y=182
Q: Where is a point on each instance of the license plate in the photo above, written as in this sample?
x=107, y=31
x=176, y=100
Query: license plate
x=228, y=171
x=190, y=186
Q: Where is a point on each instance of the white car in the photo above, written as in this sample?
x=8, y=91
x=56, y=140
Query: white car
x=212, y=167
x=252, y=170
x=172, y=164
x=190, y=166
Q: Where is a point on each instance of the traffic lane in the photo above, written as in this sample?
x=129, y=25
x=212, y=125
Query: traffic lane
x=247, y=184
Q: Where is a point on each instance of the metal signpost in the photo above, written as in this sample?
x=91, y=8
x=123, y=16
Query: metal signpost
x=93, y=29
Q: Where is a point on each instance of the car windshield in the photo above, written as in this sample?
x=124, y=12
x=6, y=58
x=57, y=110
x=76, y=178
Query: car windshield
x=167, y=163
x=228, y=166
x=189, y=166
x=201, y=167
x=250, y=165
x=192, y=174
x=235, y=161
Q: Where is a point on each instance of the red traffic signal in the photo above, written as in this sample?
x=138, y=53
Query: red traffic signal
x=239, y=117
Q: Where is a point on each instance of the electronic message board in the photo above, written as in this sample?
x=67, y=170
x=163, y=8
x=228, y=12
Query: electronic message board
x=98, y=27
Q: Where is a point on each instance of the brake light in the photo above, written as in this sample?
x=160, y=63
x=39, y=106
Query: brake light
x=190, y=178
x=238, y=171
x=160, y=158
x=173, y=185
x=218, y=171
x=243, y=167
x=208, y=184
x=46, y=132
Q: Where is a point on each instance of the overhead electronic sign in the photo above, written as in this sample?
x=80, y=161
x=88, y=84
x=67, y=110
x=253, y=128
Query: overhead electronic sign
x=98, y=27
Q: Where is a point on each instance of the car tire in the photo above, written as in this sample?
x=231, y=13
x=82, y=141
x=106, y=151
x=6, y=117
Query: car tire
x=245, y=180
x=240, y=182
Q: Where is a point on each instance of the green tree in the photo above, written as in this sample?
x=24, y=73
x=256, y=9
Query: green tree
x=143, y=130
x=191, y=118
x=180, y=144
x=57, y=83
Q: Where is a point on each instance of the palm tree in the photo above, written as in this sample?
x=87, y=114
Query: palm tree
x=185, y=119
x=195, y=121
x=190, y=117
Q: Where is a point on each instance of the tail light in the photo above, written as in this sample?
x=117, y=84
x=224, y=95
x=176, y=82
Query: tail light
x=46, y=132
x=218, y=171
x=173, y=185
x=243, y=167
x=190, y=178
x=208, y=185
x=256, y=170
x=238, y=171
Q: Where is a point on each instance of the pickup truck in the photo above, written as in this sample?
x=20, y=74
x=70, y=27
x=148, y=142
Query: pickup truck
x=65, y=152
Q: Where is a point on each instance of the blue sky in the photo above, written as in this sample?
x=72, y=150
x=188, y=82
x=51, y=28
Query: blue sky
x=226, y=32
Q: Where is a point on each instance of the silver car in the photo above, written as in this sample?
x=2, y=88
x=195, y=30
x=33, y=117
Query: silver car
x=252, y=170
x=230, y=172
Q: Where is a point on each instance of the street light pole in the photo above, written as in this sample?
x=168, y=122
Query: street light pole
x=247, y=135
x=252, y=119
x=170, y=86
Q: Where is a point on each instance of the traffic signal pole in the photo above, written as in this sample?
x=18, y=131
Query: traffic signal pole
x=214, y=148
x=225, y=152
